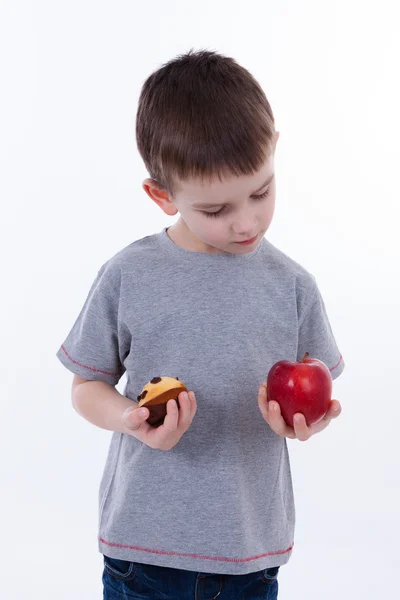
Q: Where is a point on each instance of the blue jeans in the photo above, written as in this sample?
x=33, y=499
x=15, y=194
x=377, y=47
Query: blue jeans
x=124, y=580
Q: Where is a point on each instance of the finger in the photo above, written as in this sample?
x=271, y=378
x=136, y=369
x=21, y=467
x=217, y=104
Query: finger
x=320, y=426
x=193, y=404
x=272, y=413
x=263, y=401
x=134, y=418
x=184, y=419
x=334, y=410
x=301, y=429
x=170, y=423
x=277, y=422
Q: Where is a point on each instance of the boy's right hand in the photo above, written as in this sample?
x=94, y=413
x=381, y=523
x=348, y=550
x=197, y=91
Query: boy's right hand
x=167, y=435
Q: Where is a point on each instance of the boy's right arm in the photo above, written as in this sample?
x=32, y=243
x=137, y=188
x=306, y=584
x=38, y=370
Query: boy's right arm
x=101, y=404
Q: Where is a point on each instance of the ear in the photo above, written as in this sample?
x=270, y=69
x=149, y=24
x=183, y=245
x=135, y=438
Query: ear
x=159, y=196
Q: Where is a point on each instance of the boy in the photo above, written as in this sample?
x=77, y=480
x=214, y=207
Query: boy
x=201, y=506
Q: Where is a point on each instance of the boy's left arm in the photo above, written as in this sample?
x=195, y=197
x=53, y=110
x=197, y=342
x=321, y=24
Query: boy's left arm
x=315, y=336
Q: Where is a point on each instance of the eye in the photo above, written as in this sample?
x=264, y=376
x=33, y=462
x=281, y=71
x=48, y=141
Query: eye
x=214, y=214
x=221, y=210
x=261, y=196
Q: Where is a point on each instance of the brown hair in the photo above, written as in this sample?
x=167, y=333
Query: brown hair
x=202, y=115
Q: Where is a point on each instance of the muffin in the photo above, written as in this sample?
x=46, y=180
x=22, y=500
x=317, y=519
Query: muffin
x=156, y=394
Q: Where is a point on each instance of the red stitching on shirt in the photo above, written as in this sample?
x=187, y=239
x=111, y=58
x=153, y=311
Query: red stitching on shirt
x=340, y=360
x=86, y=367
x=217, y=558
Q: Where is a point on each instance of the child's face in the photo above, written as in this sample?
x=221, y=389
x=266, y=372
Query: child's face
x=243, y=208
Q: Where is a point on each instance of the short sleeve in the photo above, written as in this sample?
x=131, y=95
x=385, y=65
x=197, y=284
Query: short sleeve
x=315, y=334
x=98, y=342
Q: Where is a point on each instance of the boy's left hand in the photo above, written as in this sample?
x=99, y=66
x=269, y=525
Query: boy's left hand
x=272, y=415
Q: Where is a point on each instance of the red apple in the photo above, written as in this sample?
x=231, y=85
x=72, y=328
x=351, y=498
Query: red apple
x=300, y=387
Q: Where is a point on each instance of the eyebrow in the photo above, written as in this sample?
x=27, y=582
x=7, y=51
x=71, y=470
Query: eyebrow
x=213, y=205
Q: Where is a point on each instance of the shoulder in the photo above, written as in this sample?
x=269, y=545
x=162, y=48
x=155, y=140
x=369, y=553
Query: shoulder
x=284, y=266
x=297, y=279
x=139, y=253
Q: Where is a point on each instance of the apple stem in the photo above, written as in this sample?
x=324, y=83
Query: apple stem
x=305, y=356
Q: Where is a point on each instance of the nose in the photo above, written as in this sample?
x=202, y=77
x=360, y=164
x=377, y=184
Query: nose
x=245, y=227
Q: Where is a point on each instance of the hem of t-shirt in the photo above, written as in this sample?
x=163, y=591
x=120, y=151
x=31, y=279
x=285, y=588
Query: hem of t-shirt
x=167, y=244
x=338, y=368
x=84, y=370
x=196, y=562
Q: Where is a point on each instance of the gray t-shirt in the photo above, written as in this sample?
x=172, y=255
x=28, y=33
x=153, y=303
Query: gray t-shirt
x=221, y=501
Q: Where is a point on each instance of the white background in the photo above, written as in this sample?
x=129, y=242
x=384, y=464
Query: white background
x=71, y=197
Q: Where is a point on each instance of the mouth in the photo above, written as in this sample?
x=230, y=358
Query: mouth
x=248, y=242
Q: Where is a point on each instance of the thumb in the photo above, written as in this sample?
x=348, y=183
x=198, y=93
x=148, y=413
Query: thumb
x=132, y=418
